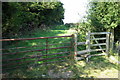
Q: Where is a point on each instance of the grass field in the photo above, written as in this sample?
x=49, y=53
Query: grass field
x=98, y=67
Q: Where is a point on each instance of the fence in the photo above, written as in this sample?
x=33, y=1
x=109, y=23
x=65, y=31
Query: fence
x=40, y=58
x=90, y=37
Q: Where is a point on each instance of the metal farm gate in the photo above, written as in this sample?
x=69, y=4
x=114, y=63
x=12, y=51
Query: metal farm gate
x=36, y=54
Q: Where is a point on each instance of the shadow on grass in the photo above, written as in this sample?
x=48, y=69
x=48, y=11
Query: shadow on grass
x=67, y=69
x=95, y=67
x=102, y=62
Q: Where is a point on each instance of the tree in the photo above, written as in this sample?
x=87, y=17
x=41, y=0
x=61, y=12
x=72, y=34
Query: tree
x=104, y=15
x=19, y=16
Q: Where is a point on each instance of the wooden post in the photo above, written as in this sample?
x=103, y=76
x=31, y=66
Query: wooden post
x=88, y=41
x=107, y=44
x=88, y=44
x=75, y=45
x=111, y=40
x=72, y=47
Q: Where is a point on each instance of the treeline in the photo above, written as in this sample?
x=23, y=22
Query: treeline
x=18, y=17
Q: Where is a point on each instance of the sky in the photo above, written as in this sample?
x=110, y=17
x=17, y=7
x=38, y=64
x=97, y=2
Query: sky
x=75, y=10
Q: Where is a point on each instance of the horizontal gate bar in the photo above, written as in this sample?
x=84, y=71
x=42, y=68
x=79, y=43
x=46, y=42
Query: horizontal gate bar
x=102, y=54
x=34, y=38
x=82, y=52
x=85, y=51
x=99, y=39
x=97, y=50
x=95, y=33
x=35, y=60
x=33, y=46
x=81, y=43
x=37, y=56
x=89, y=56
x=98, y=44
x=36, y=50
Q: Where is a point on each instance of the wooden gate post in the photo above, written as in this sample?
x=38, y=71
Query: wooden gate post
x=112, y=40
x=75, y=46
x=88, y=41
x=107, y=43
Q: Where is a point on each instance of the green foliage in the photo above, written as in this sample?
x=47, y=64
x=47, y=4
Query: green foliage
x=104, y=15
x=101, y=16
x=19, y=17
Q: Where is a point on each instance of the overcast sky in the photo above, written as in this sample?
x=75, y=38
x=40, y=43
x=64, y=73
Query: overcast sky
x=74, y=10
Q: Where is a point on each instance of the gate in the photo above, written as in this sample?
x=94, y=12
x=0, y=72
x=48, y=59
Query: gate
x=36, y=54
x=92, y=41
x=42, y=54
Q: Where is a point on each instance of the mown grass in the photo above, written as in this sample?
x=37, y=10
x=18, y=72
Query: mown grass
x=98, y=67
